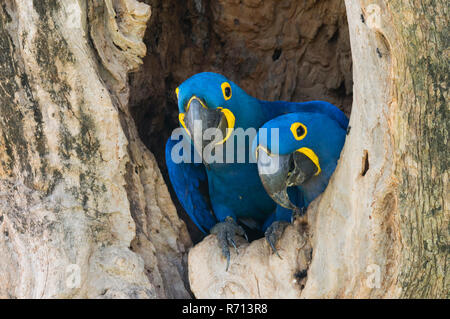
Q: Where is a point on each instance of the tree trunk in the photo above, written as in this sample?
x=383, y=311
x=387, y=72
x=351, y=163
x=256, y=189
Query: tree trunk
x=420, y=118
x=381, y=227
x=85, y=211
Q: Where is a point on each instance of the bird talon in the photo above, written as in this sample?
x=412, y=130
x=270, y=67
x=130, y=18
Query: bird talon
x=296, y=213
x=273, y=234
x=274, y=249
x=227, y=256
x=225, y=232
x=230, y=240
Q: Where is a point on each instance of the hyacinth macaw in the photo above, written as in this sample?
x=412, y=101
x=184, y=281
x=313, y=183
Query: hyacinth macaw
x=217, y=195
x=295, y=167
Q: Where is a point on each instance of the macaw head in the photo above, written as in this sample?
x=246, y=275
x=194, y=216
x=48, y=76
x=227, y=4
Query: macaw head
x=294, y=148
x=215, y=102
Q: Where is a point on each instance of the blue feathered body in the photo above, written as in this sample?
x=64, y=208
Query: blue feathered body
x=234, y=189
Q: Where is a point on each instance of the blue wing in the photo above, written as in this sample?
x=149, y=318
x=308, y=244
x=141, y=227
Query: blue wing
x=190, y=183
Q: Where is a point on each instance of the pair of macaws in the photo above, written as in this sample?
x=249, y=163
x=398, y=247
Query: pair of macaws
x=295, y=151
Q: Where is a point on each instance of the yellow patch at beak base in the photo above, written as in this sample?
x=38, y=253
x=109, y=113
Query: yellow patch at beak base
x=231, y=120
x=181, y=119
x=312, y=156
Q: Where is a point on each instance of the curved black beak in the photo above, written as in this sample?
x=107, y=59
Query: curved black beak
x=278, y=172
x=199, y=118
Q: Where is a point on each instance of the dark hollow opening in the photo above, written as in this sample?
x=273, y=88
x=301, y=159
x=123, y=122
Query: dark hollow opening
x=275, y=50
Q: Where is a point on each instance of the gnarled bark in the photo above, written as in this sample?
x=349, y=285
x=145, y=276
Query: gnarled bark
x=84, y=210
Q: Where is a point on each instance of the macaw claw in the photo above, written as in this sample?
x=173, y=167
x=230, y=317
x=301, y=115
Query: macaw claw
x=225, y=232
x=273, y=234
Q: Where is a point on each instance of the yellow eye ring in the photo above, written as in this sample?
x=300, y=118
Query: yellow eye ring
x=226, y=90
x=299, y=130
x=177, y=91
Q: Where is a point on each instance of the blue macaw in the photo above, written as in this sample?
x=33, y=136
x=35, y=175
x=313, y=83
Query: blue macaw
x=296, y=164
x=216, y=195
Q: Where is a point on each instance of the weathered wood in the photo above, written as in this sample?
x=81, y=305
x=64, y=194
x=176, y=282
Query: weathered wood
x=421, y=123
x=77, y=187
x=381, y=227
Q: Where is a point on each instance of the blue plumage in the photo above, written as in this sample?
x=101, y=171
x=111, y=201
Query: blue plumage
x=234, y=189
x=322, y=140
x=189, y=181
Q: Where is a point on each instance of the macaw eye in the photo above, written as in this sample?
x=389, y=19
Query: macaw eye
x=226, y=90
x=177, y=90
x=298, y=130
